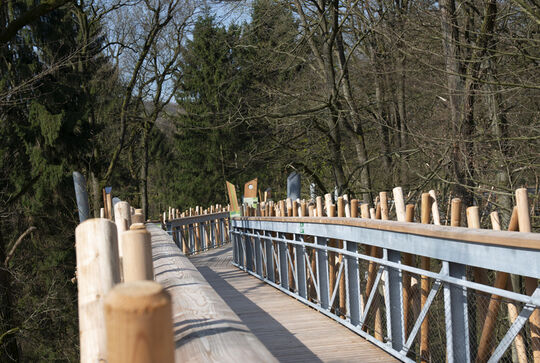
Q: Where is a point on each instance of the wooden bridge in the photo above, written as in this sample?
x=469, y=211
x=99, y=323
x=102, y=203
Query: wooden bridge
x=330, y=289
x=289, y=330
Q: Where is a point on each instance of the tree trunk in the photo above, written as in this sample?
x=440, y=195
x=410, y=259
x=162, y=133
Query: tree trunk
x=144, y=172
x=96, y=194
x=10, y=347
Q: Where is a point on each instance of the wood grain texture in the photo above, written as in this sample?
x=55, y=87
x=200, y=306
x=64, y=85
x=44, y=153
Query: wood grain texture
x=139, y=323
x=290, y=330
x=205, y=328
x=97, y=272
x=502, y=238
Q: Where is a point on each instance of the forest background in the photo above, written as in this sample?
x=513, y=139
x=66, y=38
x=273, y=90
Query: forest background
x=164, y=100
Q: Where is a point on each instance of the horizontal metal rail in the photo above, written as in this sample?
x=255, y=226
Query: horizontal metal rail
x=199, y=233
x=356, y=275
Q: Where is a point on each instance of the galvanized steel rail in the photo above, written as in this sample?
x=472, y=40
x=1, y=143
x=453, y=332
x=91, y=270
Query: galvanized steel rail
x=274, y=248
x=199, y=233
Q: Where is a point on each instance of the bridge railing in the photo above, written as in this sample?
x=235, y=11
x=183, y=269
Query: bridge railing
x=364, y=274
x=199, y=233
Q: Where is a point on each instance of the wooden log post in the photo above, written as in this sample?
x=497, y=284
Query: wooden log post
x=331, y=210
x=139, y=323
x=354, y=208
x=424, y=284
x=319, y=206
x=383, y=196
x=518, y=346
x=122, y=218
x=531, y=284
x=342, y=291
x=455, y=213
x=501, y=281
x=364, y=210
x=480, y=274
x=137, y=218
x=137, y=260
x=97, y=272
x=407, y=279
x=347, y=206
x=399, y=202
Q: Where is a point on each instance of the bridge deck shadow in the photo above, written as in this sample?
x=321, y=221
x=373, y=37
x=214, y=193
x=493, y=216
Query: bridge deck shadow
x=290, y=330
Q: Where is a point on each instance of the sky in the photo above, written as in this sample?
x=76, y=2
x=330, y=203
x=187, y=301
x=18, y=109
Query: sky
x=231, y=11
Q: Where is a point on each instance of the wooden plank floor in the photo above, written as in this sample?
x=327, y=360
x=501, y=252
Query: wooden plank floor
x=290, y=330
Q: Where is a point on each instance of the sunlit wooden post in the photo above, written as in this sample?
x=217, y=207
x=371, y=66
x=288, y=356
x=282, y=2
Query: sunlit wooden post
x=137, y=261
x=139, y=323
x=97, y=272
x=342, y=295
x=501, y=280
x=424, y=284
x=531, y=284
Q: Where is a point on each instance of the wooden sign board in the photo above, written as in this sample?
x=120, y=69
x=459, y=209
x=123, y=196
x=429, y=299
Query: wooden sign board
x=231, y=190
x=250, y=193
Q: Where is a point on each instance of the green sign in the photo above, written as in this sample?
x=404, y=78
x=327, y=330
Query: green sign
x=301, y=227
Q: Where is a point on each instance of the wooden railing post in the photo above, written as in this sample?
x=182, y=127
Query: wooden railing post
x=137, y=261
x=97, y=272
x=139, y=323
x=531, y=284
x=424, y=284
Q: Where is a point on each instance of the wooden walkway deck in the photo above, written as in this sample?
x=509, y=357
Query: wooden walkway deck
x=290, y=330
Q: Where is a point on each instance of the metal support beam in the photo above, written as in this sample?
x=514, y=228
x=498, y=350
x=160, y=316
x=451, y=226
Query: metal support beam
x=301, y=281
x=322, y=272
x=283, y=268
x=456, y=319
x=394, y=286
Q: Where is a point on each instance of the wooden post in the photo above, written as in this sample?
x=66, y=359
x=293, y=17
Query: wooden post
x=105, y=211
x=407, y=260
x=473, y=217
x=384, y=205
x=531, y=283
x=139, y=323
x=347, y=206
x=455, y=213
x=424, y=284
x=319, y=207
x=342, y=295
x=519, y=344
x=122, y=218
x=354, y=208
x=97, y=272
x=364, y=210
x=137, y=218
x=137, y=261
x=331, y=210
x=501, y=280
x=327, y=202
x=435, y=208
x=399, y=202
x=480, y=275
x=109, y=206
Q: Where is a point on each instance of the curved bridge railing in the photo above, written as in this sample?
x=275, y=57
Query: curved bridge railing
x=420, y=292
x=199, y=233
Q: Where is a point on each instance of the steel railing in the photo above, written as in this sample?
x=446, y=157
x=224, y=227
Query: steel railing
x=354, y=272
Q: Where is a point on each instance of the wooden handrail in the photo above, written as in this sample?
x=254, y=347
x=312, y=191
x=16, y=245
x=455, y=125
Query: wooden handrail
x=483, y=236
x=206, y=329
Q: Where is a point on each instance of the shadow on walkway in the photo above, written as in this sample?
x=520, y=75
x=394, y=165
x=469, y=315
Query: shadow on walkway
x=277, y=339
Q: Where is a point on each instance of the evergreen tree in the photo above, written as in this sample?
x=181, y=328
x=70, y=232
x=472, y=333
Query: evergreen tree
x=211, y=132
